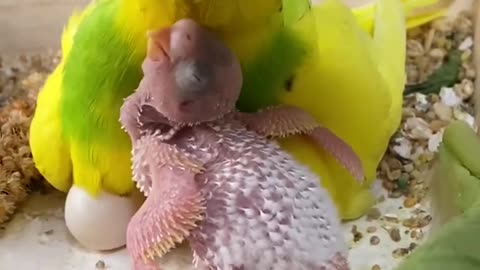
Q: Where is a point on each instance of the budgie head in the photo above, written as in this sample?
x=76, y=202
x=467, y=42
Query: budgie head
x=189, y=75
x=234, y=13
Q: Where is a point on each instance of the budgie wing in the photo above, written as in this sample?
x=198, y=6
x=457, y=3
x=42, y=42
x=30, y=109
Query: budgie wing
x=418, y=12
x=340, y=84
x=71, y=27
x=49, y=148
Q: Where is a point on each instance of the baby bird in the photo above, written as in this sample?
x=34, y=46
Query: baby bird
x=239, y=201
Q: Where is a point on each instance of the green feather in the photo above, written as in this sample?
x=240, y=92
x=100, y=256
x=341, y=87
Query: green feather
x=294, y=10
x=99, y=72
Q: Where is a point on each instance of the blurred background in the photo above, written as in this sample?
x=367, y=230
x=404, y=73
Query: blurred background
x=33, y=25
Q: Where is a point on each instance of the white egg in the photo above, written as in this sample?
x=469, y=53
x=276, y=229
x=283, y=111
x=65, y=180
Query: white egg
x=99, y=223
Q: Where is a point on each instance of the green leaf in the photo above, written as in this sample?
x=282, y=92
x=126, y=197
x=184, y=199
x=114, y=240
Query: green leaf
x=446, y=75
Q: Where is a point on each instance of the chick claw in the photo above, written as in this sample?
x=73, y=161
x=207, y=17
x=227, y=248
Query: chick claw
x=341, y=151
x=279, y=122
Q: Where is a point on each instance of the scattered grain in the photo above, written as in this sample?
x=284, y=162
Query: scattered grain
x=357, y=236
x=410, y=202
x=400, y=252
x=373, y=214
x=371, y=229
x=100, y=265
x=374, y=240
x=395, y=234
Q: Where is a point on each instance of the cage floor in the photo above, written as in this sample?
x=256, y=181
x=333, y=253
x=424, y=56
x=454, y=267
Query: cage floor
x=38, y=233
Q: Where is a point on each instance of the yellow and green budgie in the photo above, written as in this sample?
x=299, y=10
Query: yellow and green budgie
x=79, y=147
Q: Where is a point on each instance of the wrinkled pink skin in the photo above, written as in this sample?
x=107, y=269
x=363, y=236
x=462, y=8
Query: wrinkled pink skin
x=259, y=208
x=263, y=209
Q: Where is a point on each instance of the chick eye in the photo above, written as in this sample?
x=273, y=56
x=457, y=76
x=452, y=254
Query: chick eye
x=193, y=76
x=197, y=78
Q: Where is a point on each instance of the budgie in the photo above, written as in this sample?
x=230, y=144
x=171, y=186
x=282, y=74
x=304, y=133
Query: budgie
x=87, y=154
x=351, y=82
x=233, y=195
x=455, y=195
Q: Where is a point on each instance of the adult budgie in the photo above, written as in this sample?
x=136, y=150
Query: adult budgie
x=455, y=193
x=75, y=137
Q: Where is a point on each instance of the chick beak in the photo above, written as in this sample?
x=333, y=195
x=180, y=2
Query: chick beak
x=158, y=46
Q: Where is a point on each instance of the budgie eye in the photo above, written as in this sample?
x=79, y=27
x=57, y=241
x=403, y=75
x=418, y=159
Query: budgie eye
x=289, y=83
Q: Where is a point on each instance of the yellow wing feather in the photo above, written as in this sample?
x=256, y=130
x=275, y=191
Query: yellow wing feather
x=71, y=27
x=50, y=150
x=352, y=84
x=417, y=12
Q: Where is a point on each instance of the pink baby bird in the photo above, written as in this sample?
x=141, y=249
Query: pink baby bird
x=231, y=193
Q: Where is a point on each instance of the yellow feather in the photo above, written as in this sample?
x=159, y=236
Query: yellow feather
x=420, y=20
x=345, y=77
x=50, y=150
x=109, y=173
x=417, y=12
x=71, y=27
x=233, y=21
